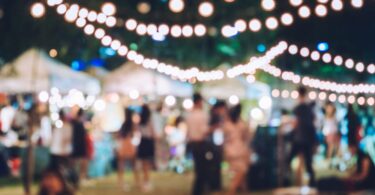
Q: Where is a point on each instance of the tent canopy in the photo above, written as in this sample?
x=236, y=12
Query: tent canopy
x=223, y=89
x=131, y=76
x=35, y=71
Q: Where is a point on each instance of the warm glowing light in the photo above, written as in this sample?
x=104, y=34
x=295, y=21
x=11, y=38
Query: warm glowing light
x=206, y=9
x=287, y=19
x=53, y=53
x=108, y=8
x=272, y=23
x=176, y=5
x=304, y=12
x=255, y=25
x=38, y=10
x=268, y=5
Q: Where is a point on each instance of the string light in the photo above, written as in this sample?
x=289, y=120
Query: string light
x=255, y=63
x=268, y=5
x=295, y=3
x=328, y=57
x=323, y=96
x=206, y=9
x=176, y=5
x=109, y=9
x=37, y=10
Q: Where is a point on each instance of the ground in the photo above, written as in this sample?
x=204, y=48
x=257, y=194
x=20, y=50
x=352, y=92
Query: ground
x=164, y=184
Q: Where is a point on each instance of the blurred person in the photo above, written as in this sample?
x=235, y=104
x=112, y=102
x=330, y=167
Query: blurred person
x=363, y=178
x=53, y=183
x=330, y=130
x=146, y=148
x=20, y=122
x=353, y=125
x=61, y=143
x=304, y=134
x=218, y=116
x=177, y=140
x=80, y=146
x=197, y=121
x=126, y=150
x=236, y=148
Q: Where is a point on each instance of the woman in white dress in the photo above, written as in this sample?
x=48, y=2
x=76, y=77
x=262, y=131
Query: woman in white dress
x=330, y=130
x=236, y=147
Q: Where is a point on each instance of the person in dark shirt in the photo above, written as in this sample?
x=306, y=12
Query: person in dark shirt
x=304, y=135
x=217, y=119
x=354, y=125
x=362, y=179
x=79, y=141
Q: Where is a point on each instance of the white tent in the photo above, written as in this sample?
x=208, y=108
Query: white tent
x=227, y=87
x=131, y=77
x=35, y=71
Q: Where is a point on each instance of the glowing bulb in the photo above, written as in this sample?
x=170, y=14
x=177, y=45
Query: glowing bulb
x=285, y=94
x=268, y=5
x=131, y=24
x=265, y=102
x=294, y=94
x=332, y=97
x=304, y=52
x=106, y=40
x=99, y=33
x=123, y=50
x=338, y=60
x=108, y=8
x=187, y=31
x=101, y=18
x=61, y=9
x=312, y=95
x=349, y=63
x=357, y=3
x=83, y=13
x=111, y=21
x=43, y=96
x=327, y=58
x=38, y=10
x=233, y=100
x=163, y=29
x=304, y=12
x=134, y=94
x=293, y=49
x=152, y=29
x=255, y=25
x=99, y=105
x=371, y=68
x=272, y=23
x=141, y=29
x=240, y=25
x=53, y=53
x=176, y=5
x=188, y=104
x=321, y=10
x=287, y=19
x=295, y=3
x=200, y=30
x=337, y=5
x=228, y=31
x=80, y=22
x=257, y=114
x=275, y=93
x=315, y=55
x=116, y=44
x=176, y=31
x=170, y=100
x=360, y=67
x=89, y=29
x=206, y=9
x=92, y=16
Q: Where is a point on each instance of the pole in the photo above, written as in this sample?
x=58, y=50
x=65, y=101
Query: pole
x=29, y=169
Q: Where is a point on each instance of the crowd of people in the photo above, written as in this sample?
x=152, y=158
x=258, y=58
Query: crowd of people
x=207, y=137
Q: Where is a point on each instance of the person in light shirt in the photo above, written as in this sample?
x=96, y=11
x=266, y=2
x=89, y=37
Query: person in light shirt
x=61, y=143
x=197, y=121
